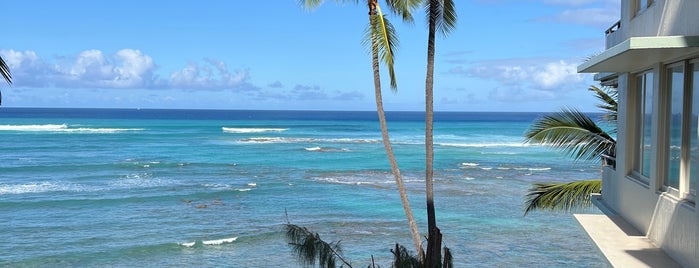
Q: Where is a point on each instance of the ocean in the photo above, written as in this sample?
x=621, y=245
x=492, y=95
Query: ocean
x=214, y=188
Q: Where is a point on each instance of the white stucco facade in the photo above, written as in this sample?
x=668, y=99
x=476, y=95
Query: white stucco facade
x=652, y=56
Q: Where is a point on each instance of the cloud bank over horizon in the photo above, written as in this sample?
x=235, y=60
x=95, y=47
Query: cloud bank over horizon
x=94, y=72
x=125, y=69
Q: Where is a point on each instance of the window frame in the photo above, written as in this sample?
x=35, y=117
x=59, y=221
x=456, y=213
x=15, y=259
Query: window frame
x=667, y=107
x=641, y=89
x=639, y=7
x=684, y=190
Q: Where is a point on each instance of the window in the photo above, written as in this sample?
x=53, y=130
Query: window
x=644, y=95
x=694, y=131
x=675, y=84
x=682, y=159
x=641, y=5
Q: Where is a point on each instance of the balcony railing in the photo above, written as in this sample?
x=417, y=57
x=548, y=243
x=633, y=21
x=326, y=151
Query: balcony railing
x=613, y=35
x=613, y=28
x=608, y=161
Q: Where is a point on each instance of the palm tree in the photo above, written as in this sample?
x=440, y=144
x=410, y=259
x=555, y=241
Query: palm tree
x=309, y=247
x=441, y=16
x=5, y=71
x=574, y=133
x=382, y=39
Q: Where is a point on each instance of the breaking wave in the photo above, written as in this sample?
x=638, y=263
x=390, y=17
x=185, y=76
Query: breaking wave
x=252, y=130
x=210, y=242
x=304, y=140
x=63, y=128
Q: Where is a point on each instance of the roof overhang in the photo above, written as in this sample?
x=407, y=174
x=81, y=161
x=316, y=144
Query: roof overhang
x=640, y=52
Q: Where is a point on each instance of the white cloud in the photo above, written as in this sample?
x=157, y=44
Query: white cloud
x=596, y=13
x=540, y=74
x=195, y=77
x=127, y=68
x=556, y=74
x=526, y=79
x=598, y=17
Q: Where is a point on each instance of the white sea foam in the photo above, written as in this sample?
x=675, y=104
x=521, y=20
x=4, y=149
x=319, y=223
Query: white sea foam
x=482, y=145
x=265, y=140
x=252, y=130
x=465, y=164
x=49, y=127
x=345, y=180
x=219, y=241
x=63, y=128
x=188, y=244
x=29, y=188
x=303, y=140
x=44, y=187
x=325, y=149
x=100, y=130
x=252, y=184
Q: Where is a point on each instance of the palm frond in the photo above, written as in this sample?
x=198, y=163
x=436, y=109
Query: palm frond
x=573, y=133
x=309, y=248
x=403, y=259
x=561, y=196
x=381, y=35
x=404, y=8
x=313, y=4
x=444, y=14
x=609, y=97
x=5, y=71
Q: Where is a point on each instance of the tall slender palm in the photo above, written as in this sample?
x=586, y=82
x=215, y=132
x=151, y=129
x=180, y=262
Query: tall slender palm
x=574, y=133
x=441, y=16
x=5, y=72
x=381, y=37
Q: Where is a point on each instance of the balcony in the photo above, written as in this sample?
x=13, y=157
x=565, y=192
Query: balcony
x=613, y=35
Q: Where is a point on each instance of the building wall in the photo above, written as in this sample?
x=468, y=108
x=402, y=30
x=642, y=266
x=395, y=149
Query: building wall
x=671, y=223
x=662, y=18
x=673, y=228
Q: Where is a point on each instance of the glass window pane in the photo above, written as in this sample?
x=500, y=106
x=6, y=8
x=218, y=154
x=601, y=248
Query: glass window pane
x=676, y=85
x=694, y=131
x=642, y=4
x=646, y=87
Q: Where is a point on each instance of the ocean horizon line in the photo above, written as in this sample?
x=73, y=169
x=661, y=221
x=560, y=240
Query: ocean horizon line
x=225, y=114
x=266, y=110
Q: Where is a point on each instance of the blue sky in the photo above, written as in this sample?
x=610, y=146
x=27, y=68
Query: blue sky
x=505, y=55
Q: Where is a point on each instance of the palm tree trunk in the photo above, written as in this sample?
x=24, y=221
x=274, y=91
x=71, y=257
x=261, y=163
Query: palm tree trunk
x=387, y=142
x=434, y=236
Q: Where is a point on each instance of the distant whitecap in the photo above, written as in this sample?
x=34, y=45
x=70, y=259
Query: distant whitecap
x=63, y=128
x=219, y=241
x=188, y=244
x=252, y=130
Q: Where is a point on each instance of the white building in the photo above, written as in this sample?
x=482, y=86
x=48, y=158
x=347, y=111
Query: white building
x=650, y=196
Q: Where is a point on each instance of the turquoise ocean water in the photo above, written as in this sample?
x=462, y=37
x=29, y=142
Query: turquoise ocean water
x=204, y=188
